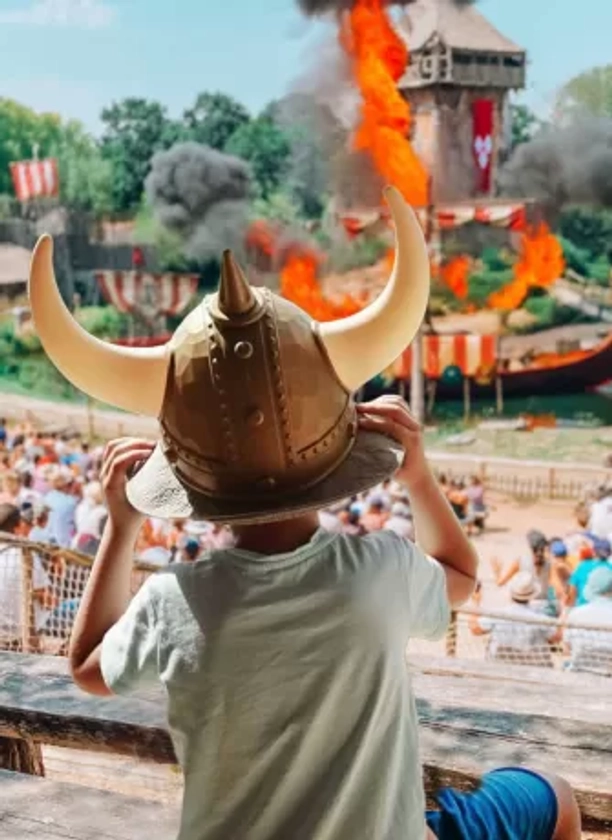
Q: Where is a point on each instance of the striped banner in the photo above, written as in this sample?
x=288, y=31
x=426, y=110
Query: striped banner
x=35, y=179
x=157, y=294
x=510, y=216
x=474, y=355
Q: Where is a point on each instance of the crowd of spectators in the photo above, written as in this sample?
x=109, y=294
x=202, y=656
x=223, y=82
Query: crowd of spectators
x=50, y=493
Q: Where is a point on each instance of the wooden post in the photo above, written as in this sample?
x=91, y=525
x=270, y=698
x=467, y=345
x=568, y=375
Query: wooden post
x=417, y=390
x=451, y=636
x=466, y=398
x=91, y=430
x=432, y=386
x=499, y=394
x=28, y=623
x=21, y=755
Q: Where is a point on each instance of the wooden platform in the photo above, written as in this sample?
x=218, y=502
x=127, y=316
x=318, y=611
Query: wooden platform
x=473, y=717
x=33, y=807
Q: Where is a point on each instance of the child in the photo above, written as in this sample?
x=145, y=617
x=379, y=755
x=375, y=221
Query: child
x=283, y=657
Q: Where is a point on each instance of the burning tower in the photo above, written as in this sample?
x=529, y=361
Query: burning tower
x=460, y=74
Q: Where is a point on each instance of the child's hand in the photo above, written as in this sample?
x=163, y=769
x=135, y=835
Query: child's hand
x=391, y=416
x=119, y=456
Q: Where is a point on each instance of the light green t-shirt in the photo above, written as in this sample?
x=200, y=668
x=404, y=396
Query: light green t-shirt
x=290, y=703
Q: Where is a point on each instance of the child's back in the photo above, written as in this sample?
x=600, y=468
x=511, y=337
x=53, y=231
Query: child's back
x=289, y=699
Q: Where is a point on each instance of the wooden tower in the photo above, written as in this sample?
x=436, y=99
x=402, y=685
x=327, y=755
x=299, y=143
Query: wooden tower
x=460, y=74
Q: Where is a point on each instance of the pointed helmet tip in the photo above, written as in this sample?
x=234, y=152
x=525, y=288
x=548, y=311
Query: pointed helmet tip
x=235, y=294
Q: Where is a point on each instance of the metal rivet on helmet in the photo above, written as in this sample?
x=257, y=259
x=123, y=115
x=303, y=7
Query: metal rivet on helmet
x=243, y=349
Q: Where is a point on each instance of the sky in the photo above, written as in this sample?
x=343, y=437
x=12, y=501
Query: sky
x=76, y=56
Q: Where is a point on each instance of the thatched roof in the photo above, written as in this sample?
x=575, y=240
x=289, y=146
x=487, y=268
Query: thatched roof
x=458, y=25
x=14, y=264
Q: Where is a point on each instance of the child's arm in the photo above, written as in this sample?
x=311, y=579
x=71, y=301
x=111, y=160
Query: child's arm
x=107, y=593
x=438, y=531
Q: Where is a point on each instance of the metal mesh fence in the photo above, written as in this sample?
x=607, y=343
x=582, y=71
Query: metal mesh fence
x=536, y=642
x=40, y=591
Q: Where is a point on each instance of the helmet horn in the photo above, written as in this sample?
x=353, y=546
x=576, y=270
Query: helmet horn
x=131, y=379
x=364, y=344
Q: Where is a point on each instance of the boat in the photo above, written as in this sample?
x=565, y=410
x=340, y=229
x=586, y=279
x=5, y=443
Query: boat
x=545, y=374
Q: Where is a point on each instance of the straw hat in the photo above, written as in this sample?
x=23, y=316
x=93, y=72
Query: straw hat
x=254, y=399
x=523, y=587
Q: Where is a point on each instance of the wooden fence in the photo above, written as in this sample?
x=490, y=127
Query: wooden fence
x=527, y=480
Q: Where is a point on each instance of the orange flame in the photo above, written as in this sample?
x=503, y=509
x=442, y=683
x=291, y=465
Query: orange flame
x=299, y=284
x=541, y=263
x=380, y=57
x=455, y=275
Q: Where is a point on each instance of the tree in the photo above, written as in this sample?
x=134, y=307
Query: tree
x=589, y=230
x=134, y=130
x=86, y=178
x=22, y=133
x=524, y=124
x=214, y=118
x=589, y=93
x=265, y=146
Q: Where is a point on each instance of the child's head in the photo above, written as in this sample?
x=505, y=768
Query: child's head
x=581, y=513
x=538, y=544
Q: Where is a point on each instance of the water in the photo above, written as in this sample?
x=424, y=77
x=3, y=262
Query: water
x=35, y=376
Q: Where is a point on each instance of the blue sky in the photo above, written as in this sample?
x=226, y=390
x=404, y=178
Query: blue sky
x=75, y=56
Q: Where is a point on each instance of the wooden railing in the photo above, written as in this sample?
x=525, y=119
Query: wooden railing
x=524, y=479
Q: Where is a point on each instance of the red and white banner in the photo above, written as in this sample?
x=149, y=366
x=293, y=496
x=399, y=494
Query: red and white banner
x=35, y=179
x=474, y=355
x=511, y=216
x=157, y=294
x=482, y=142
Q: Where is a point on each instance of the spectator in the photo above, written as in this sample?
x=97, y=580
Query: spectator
x=512, y=638
x=353, y=525
x=590, y=560
x=375, y=516
x=600, y=523
x=400, y=521
x=190, y=550
x=36, y=516
x=589, y=627
x=536, y=563
x=62, y=505
x=12, y=620
x=11, y=487
x=476, y=513
x=458, y=499
x=3, y=433
x=577, y=538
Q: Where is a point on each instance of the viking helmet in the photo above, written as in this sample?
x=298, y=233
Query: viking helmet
x=252, y=396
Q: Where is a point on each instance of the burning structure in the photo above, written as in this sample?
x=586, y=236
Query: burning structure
x=458, y=80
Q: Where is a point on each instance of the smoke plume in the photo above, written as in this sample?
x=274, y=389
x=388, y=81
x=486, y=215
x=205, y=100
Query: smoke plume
x=202, y=195
x=572, y=165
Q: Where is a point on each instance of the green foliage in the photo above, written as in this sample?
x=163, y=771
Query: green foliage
x=278, y=207
x=168, y=244
x=364, y=251
x=214, y=118
x=134, y=129
x=497, y=259
x=548, y=313
x=588, y=93
x=589, y=229
x=483, y=283
x=524, y=124
x=600, y=271
x=86, y=178
x=102, y=321
x=575, y=258
x=23, y=132
x=264, y=145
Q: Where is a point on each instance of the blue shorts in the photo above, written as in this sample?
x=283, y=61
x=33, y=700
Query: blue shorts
x=511, y=804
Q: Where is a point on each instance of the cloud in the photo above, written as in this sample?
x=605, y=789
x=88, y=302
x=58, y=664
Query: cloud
x=87, y=14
